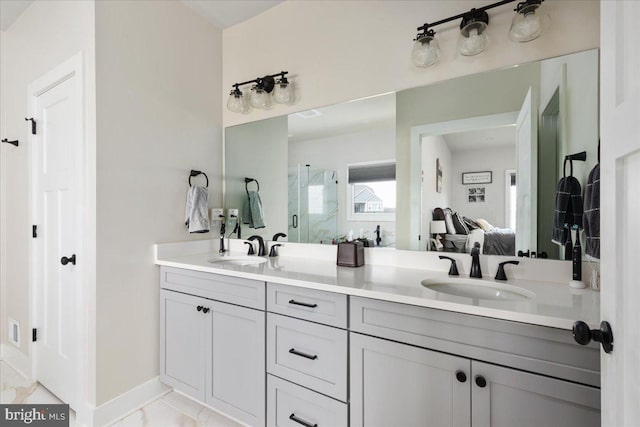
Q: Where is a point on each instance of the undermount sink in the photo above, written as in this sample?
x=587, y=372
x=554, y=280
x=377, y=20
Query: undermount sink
x=478, y=289
x=238, y=261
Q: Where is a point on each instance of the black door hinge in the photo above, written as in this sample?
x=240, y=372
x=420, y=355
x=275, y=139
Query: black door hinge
x=34, y=231
x=34, y=335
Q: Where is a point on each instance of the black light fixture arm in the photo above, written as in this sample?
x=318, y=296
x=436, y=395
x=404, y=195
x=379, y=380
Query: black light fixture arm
x=267, y=81
x=427, y=27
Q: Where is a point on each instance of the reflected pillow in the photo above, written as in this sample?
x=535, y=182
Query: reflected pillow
x=458, y=223
x=448, y=220
x=484, y=224
x=471, y=224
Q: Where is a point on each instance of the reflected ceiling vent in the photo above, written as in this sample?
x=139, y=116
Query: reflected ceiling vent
x=308, y=114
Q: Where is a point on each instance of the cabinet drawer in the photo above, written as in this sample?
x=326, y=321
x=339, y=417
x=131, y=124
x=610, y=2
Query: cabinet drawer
x=245, y=292
x=289, y=405
x=540, y=349
x=308, y=304
x=308, y=354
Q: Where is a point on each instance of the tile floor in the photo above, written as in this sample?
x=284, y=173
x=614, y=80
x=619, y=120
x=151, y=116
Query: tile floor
x=171, y=410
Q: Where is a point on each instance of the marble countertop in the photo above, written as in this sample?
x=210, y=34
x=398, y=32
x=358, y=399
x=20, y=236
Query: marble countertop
x=554, y=305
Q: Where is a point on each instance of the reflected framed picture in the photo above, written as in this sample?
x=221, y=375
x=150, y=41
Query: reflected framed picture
x=484, y=177
x=438, y=176
x=475, y=195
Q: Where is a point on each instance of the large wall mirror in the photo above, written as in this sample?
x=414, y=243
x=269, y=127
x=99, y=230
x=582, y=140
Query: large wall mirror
x=439, y=167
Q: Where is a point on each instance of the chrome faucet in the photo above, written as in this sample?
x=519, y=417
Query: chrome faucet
x=261, y=249
x=475, y=262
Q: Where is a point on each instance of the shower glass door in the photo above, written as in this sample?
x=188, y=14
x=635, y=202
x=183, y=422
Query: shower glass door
x=313, y=205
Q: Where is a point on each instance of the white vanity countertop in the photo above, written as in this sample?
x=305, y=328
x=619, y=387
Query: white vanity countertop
x=554, y=305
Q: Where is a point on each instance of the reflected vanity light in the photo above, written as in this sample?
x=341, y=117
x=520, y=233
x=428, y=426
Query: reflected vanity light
x=264, y=90
x=528, y=23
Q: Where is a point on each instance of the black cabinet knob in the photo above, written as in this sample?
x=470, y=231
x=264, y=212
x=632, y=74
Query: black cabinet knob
x=199, y=308
x=583, y=335
x=206, y=310
x=72, y=259
x=461, y=376
x=480, y=381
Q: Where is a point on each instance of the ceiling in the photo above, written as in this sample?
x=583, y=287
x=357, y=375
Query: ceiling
x=376, y=112
x=484, y=138
x=222, y=13
x=10, y=10
x=225, y=13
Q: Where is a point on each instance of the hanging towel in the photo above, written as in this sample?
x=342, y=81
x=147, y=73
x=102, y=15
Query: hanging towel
x=591, y=217
x=569, y=207
x=196, y=213
x=253, y=213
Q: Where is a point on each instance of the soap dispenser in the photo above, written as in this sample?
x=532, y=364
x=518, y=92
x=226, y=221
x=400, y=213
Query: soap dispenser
x=576, y=260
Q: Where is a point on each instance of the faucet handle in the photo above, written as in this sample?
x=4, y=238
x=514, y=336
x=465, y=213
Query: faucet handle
x=252, y=250
x=273, y=252
x=453, y=270
x=500, y=275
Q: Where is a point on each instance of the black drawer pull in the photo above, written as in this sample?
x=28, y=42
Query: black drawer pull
x=298, y=353
x=461, y=376
x=199, y=308
x=304, y=304
x=293, y=417
x=206, y=310
x=480, y=381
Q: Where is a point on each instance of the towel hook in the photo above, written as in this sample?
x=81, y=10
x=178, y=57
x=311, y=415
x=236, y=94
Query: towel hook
x=581, y=157
x=246, y=184
x=196, y=173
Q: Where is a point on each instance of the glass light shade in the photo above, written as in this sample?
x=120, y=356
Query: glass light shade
x=259, y=98
x=473, y=38
x=528, y=23
x=426, y=51
x=282, y=92
x=237, y=103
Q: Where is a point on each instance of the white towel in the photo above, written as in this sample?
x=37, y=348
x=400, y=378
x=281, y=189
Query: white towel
x=196, y=212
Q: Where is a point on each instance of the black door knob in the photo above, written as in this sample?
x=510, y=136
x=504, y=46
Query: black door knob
x=480, y=381
x=205, y=310
x=64, y=260
x=583, y=335
x=461, y=376
x=199, y=308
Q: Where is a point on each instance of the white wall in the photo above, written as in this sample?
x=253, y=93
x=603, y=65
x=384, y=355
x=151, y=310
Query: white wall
x=335, y=153
x=433, y=148
x=343, y=50
x=45, y=35
x=497, y=160
x=158, y=79
x=258, y=151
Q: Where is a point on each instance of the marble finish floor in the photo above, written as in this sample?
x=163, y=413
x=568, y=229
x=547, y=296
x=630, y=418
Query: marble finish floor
x=171, y=410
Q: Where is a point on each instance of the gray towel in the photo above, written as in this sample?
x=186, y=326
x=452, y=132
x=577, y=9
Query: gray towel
x=252, y=210
x=196, y=212
x=591, y=217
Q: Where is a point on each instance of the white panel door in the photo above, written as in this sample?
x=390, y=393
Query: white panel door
x=527, y=173
x=57, y=210
x=620, y=205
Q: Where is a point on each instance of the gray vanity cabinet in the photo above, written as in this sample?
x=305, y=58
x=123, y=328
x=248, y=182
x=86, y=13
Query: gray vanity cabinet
x=212, y=350
x=514, y=398
x=395, y=384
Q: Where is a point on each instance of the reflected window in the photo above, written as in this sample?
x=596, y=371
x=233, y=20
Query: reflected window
x=372, y=191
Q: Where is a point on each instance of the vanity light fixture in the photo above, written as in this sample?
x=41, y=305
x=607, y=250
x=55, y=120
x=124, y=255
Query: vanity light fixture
x=262, y=92
x=528, y=23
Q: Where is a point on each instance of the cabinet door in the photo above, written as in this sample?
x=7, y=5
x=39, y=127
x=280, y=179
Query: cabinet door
x=183, y=331
x=399, y=385
x=515, y=398
x=236, y=362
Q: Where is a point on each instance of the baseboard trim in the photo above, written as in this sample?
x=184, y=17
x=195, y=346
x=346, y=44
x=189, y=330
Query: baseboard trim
x=128, y=402
x=16, y=359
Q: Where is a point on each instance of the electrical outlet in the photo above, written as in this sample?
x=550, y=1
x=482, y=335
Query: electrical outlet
x=216, y=213
x=232, y=213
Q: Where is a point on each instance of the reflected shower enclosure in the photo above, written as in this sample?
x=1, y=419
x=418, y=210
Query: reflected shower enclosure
x=313, y=205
